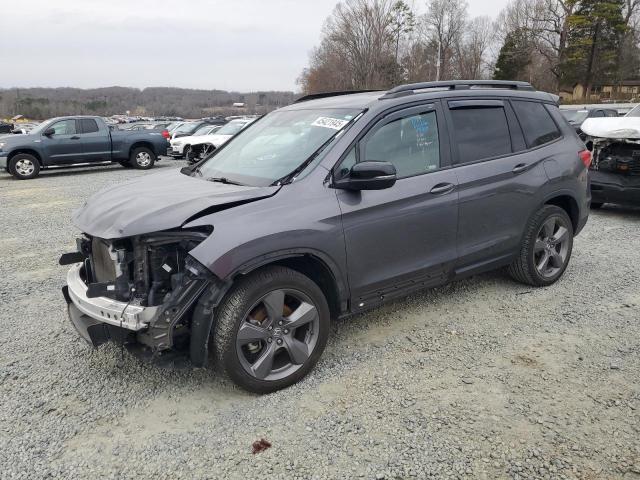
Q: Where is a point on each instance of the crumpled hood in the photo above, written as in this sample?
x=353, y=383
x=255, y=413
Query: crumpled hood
x=157, y=202
x=611, y=127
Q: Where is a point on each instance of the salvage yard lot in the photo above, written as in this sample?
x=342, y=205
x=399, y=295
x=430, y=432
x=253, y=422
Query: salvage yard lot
x=484, y=378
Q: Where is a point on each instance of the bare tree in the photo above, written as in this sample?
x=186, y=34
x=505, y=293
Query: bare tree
x=446, y=20
x=362, y=31
x=471, y=51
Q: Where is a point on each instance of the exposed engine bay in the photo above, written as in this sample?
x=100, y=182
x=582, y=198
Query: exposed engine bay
x=152, y=271
x=616, y=156
x=144, y=269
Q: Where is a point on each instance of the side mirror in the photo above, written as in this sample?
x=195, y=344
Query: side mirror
x=49, y=132
x=368, y=176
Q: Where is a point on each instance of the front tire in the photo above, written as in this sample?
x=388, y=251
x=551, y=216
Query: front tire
x=546, y=248
x=187, y=153
x=24, y=166
x=142, y=158
x=271, y=329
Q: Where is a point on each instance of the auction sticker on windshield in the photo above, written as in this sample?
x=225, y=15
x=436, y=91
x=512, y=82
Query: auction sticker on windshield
x=328, y=122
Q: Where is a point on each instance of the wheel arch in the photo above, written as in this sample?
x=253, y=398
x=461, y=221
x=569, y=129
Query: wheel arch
x=315, y=265
x=142, y=143
x=569, y=204
x=27, y=151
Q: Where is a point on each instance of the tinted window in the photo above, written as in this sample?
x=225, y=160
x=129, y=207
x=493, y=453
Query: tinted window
x=64, y=127
x=88, y=125
x=537, y=125
x=410, y=143
x=597, y=114
x=480, y=133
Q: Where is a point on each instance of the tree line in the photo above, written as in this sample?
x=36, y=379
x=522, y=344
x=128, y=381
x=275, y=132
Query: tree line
x=41, y=103
x=554, y=44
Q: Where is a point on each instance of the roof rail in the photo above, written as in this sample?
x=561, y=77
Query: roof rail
x=411, y=88
x=315, y=96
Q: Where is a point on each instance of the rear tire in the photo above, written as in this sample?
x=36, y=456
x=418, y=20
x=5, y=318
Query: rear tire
x=251, y=342
x=546, y=248
x=24, y=166
x=142, y=158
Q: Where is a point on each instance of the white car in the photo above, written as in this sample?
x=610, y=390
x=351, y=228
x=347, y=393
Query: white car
x=205, y=144
x=181, y=146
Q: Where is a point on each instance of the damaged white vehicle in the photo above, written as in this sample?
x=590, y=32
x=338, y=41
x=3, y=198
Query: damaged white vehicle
x=615, y=170
x=205, y=145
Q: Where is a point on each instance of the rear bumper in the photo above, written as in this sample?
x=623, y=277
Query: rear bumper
x=614, y=188
x=96, y=319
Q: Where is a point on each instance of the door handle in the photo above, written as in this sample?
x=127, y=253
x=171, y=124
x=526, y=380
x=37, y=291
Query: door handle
x=75, y=137
x=442, y=188
x=521, y=167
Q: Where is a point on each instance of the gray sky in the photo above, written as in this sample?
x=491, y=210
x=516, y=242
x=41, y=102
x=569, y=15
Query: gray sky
x=226, y=44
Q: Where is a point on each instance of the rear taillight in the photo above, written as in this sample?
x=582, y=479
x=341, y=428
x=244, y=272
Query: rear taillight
x=585, y=156
x=165, y=134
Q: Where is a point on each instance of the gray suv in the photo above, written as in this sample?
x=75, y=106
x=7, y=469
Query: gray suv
x=324, y=209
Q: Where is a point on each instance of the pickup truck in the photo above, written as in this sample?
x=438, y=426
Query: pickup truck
x=74, y=141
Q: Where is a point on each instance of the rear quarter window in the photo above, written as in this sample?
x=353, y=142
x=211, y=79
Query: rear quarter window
x=537, y=125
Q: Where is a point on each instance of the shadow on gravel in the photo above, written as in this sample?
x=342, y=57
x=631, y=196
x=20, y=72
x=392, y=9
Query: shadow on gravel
x=618, y=211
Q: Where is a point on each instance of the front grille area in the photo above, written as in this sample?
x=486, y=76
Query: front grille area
x=103, y=266
x=622, y=158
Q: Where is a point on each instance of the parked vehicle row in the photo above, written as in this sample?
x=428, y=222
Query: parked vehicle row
x=324, y=209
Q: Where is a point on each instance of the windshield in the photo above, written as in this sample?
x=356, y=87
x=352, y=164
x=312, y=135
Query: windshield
x=41, y=127
x=186, y=128
x=231, y=128
x=575, y=116
x=203, y=130
x=634, y=112
x=276, y=145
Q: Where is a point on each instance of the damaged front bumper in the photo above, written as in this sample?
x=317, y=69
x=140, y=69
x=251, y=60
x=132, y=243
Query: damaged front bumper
x=609, y=187
x=93, y=317
x=140, y=290
x=615, y=171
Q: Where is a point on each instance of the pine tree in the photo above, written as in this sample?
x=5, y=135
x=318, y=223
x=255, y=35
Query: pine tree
x=513, y=57
x=596, y=29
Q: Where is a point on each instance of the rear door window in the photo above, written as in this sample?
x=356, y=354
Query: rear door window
x=537, y=125
x=88, y=125
x=480, y=132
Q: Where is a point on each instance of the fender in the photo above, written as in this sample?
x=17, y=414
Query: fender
x=203, y=315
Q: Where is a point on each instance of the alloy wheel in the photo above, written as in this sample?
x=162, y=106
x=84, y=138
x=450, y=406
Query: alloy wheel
x=551, y=249
x=143, y=159
x=24, y=167
x=278, y=334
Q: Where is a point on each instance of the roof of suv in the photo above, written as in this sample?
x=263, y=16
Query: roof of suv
x=420, y=91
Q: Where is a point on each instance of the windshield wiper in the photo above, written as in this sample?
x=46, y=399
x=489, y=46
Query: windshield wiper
x=224, y=180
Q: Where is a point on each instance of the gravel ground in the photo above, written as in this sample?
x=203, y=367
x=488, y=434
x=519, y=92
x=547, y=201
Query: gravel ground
x=483, y=378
